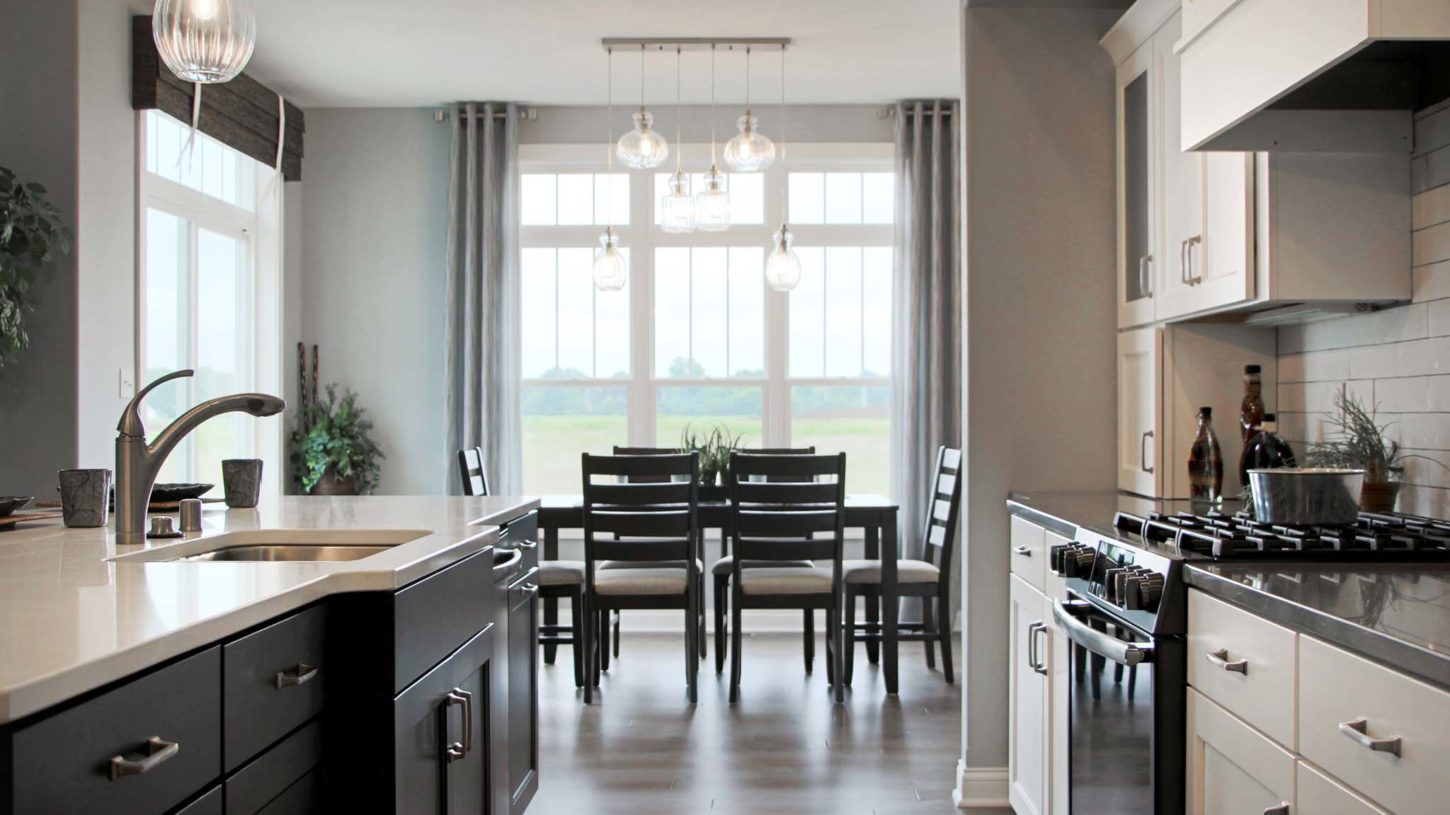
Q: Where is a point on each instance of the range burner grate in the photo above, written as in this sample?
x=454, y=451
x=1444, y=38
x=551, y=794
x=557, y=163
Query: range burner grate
x=1238, y=535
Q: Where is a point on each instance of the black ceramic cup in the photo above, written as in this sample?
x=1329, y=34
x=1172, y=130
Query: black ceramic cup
x=85, y=497
x=242, y=481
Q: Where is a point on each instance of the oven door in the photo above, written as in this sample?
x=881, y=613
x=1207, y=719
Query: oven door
x=1126, y=715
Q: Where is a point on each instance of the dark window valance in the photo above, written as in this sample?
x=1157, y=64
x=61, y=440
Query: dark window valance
x=241, y=113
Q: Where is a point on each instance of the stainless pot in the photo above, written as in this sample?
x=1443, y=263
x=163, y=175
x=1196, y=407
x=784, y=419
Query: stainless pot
x=1306, y=496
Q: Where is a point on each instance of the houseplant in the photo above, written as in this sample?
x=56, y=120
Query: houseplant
x=1358, y=441
x=333, y=452
x=31, y=237
x=714, y=448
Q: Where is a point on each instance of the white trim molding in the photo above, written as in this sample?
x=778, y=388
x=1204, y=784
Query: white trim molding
x=979, y=787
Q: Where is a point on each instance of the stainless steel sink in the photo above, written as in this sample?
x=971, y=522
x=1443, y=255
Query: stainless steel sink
x=281, y=545
x=290, y=552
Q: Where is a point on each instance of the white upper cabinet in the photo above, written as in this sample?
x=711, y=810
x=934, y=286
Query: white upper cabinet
x=1138, y=259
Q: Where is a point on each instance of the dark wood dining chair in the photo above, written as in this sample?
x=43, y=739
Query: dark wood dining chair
x=721, y=570
x=558, y=579
x=928, y=578
x=787, y=508
x=650, y=531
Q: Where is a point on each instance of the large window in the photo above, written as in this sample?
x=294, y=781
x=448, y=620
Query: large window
x=696, y=338
x=208, y=293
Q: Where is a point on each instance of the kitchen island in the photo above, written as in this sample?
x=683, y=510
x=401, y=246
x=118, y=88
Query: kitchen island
x=254, y=660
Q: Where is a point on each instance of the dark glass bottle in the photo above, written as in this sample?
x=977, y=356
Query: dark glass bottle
x=1265, y=451
x=1251, y=410
x=1205, y=462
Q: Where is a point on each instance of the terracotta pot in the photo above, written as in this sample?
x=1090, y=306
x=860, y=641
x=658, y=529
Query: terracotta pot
x=1379, y=497
x=330, y=484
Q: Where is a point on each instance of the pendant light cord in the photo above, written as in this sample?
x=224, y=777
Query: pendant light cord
x=678, y=151
x=609, y=138
x=712, y=106
x=641, y=77
x=747, y=80
x=784, y=129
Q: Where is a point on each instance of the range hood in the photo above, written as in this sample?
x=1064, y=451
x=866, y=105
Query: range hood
x=1313, y=75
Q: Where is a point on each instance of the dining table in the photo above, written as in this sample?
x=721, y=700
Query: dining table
x=875, y=515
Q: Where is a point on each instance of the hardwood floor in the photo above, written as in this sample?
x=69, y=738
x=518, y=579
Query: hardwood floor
x=641, y=749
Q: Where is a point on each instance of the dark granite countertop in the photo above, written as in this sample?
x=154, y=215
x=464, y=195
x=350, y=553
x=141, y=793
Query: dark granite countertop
x=1395, y=613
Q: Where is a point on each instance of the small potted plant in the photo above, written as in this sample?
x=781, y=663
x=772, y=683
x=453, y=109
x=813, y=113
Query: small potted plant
x=32, y=235
x=1358, y=441
x=333, y=452
x=714, y=449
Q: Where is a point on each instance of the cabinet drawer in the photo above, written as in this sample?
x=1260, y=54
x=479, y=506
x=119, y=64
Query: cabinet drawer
x=209, y=804
x=1321, y=795
x=433, y=616
x=64, y=763
x=252, y=789
x=1232, y=768
x=273, y=681
x=302, y=798
x=1339, y=692
x=1029, y=552
x=1244, y=663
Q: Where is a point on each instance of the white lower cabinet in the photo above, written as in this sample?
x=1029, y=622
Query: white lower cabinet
x=1232, y=768
x=1028, y=718
x=1318, y=794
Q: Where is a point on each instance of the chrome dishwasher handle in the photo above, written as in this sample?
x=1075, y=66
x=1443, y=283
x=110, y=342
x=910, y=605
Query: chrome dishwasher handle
x=158, y=752
x=507, y=566
x=1358, y=729
x=1098, y=642
x=1220, y=658
x=300, y=675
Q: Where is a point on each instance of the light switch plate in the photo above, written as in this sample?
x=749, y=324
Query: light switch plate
x=125, y=383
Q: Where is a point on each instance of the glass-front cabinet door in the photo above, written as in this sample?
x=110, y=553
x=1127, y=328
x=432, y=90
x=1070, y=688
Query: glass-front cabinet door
x=1137, y=169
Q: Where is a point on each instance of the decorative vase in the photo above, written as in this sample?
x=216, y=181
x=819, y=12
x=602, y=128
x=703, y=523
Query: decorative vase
x=1379, y=497
x=331, y=484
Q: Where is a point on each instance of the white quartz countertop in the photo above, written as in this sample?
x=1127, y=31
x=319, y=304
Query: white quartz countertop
x=72, y=619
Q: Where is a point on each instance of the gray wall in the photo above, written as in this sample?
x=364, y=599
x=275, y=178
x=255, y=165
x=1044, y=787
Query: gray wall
x=38, y=140
x=1398, y=359
x=1039, y=401
x=369, y=283
x=373, y=223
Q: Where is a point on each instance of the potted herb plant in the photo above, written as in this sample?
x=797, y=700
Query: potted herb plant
x=31, y=237
x=1358, y=440
x=333, y=452
x=714, y=448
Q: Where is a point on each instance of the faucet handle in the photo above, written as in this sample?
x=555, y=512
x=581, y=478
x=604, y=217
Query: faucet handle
x=130, y=424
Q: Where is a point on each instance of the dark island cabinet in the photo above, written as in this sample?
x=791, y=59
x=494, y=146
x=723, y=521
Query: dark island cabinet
x=523, y=691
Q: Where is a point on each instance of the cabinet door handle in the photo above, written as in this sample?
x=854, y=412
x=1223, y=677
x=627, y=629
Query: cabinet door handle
x=1143, y=451
x=1032, y=630
x=1025, y=551
x=529, y=590
x=1145, y=279
x=1193, y=279
x=158, y=752
x=1358, y=729
x=459, y=749
x=300, y=675
x=1220, y=658
x=527, y=544
x=1039, y=661
x=1281, y=809
x=1183, y=276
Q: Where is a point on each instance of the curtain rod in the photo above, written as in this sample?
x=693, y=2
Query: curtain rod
x=441, y=115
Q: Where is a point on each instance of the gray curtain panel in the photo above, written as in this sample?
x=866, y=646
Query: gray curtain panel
x=926, y=343
x=483, y=333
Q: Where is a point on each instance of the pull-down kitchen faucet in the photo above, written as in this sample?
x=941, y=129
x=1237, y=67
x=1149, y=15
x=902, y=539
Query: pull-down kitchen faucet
x=137, y=462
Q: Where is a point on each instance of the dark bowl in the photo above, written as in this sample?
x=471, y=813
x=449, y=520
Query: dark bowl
x=171, y=493
x=11, y=503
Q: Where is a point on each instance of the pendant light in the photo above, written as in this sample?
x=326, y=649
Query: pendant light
x=782, y=266
x=610, y=270
x=677, y=207
x=642, y=148
x=205, y=41
x=751, y=151
x=712, y=204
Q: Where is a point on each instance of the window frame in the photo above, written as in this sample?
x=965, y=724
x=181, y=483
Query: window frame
x=259, y=233
x=642, y=237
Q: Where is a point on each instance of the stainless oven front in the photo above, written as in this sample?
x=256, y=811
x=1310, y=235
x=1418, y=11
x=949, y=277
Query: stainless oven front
x=1126, y=713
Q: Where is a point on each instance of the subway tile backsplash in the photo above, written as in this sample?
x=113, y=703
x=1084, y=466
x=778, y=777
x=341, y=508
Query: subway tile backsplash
x=1399, y=358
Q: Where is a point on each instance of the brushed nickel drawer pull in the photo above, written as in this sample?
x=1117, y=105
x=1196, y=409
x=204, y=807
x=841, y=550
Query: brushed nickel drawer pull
x=1220, y=658
x=300, y=675
x=1281, y=809
x=528, y=544
x=1025, y=551
x=1358, y=729
x=158, y=752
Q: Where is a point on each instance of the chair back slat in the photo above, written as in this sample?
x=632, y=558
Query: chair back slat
x=644, y=509
x=939, y=533
x=787, y=507
x=645, y=451
x=470, y=471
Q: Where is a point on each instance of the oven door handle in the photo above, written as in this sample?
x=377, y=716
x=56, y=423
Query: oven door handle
x=1099, y=642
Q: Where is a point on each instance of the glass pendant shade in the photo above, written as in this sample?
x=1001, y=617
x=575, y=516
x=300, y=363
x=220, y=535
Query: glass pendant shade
x=750, y=151
x=642, y=148
x=204, y=41
x=677, y=207
x=712, y=204
x=610, y=270
x=782, y=266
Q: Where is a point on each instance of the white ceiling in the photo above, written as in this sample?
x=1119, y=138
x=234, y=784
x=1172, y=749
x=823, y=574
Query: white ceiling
x=404, y=53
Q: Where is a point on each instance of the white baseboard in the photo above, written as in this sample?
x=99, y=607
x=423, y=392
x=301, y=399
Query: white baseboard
x=980, y=787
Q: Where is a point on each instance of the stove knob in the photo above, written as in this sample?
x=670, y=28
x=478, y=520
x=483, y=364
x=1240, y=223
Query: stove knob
x=1085, y=557
x=1056, y=557
x=1151, y=592
x=1132, y=594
